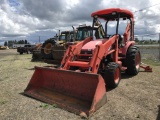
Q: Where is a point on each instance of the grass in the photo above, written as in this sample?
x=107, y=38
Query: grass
x=148, y=47
x=45, y=105
x=141, y=95
x=54, y=105
x=3, y=102
x=151, y=62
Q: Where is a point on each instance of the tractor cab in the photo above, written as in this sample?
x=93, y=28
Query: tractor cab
x=112, y=18
x=83, y=32
x=66, y=36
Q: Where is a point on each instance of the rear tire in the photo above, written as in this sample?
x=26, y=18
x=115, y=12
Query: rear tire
x=133, y=60
x=48, y=44
x=112, y=75
x=21, y=53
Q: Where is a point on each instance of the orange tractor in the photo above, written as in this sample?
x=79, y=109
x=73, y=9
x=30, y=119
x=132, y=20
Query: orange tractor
x=89, y=67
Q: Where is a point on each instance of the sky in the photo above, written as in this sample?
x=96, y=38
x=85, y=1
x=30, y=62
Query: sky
x=36, y=20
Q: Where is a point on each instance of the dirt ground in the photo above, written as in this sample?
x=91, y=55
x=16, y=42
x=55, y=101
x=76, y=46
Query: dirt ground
x=135, y=98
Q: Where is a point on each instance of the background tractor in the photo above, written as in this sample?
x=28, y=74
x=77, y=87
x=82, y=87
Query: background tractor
x=54, y=44
x=45, y=52
x=4, y=47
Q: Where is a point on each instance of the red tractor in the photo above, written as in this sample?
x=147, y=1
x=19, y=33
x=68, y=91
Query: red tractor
x=79, y=84
x=107, y=55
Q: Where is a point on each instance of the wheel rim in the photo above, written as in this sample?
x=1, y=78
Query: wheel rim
x=117, y=75
x=47, y=48
x=138, y=60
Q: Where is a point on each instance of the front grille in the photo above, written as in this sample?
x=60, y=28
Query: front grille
x=86, y=52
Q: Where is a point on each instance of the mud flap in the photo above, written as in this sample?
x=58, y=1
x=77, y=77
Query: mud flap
x=80, y=93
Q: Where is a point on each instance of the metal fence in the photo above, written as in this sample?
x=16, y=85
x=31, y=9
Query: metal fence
x=149, y=46
x=150, y=52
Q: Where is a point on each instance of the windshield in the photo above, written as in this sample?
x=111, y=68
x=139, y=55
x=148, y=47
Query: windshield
x=63, y=37
x=83, y=33
x=110, y=27
x=67, y=37
x=71, y=36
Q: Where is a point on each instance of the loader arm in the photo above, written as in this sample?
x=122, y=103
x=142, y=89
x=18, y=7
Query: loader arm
x=102, y=51
x=72, y=51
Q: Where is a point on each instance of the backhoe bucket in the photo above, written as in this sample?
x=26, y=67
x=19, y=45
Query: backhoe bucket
x=80, y=93
x=36, y=56
x=58, y=52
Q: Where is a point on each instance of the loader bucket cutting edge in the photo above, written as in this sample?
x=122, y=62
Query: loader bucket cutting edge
x=74, y=91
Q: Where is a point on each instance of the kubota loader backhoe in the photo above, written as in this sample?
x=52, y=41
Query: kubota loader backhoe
x=89, y=67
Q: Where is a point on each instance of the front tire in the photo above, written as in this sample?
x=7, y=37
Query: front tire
x=112, y=75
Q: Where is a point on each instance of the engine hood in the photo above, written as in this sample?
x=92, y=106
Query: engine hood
x=92, y=45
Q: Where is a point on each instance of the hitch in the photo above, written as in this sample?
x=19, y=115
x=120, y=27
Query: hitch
x=146, y=67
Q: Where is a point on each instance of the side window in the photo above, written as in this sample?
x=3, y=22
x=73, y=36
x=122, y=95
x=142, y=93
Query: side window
x=85, y=33
x=79, y=35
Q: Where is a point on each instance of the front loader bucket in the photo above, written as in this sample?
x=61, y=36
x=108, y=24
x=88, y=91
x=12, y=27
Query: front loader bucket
x=80, y=93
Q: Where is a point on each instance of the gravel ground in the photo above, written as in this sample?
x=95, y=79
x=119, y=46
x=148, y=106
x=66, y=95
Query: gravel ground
x=135, y=98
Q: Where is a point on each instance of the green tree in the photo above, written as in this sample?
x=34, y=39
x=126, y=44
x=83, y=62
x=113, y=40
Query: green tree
x=141, y=42
x=20, y=42
x=146, y=42
x=26, y=42
x=15, y=41
x=151, y=41
x=10, y=43
x=136, y=40
x=5, y=43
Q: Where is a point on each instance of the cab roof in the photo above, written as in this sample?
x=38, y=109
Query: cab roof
x=67, y=32
x=112, y=13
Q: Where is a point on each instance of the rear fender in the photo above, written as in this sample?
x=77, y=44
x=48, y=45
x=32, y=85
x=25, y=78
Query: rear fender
x=125, y=48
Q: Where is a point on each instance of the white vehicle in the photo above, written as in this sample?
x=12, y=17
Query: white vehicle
x=18, y=45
